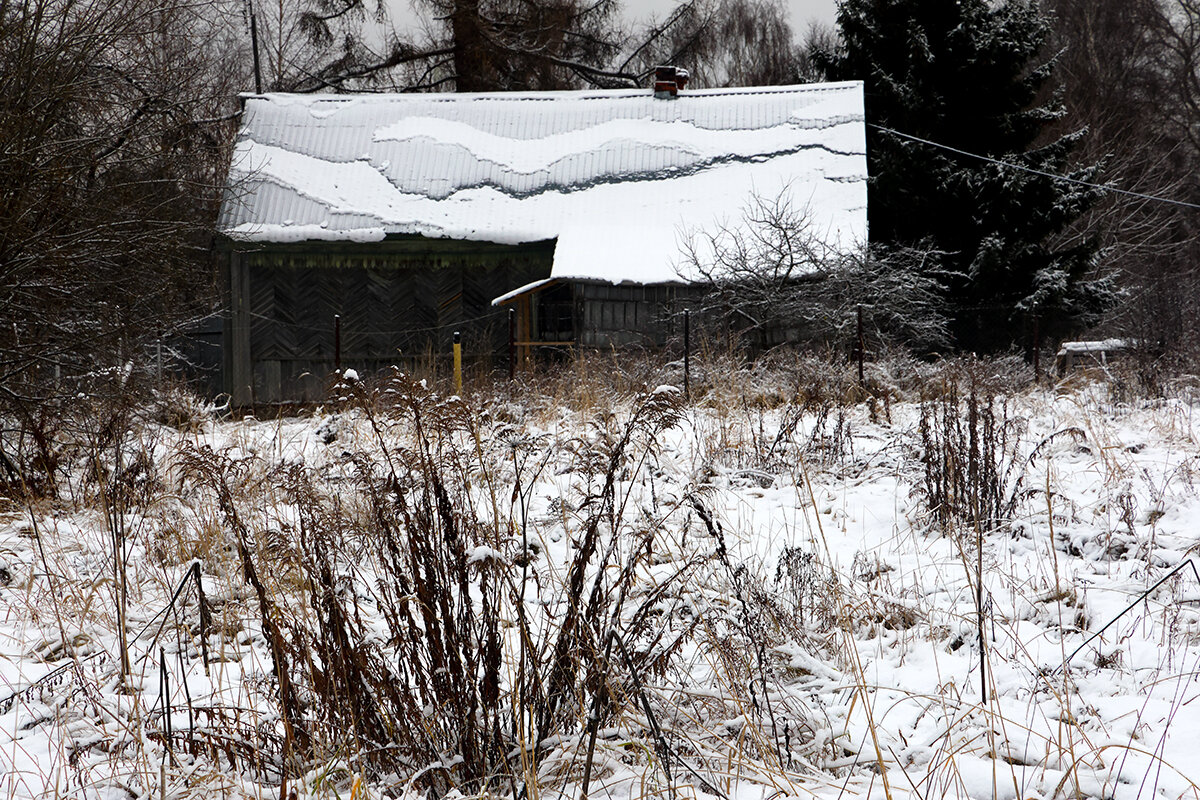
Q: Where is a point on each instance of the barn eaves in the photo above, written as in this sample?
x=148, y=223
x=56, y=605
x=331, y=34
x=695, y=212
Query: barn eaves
x=338, y=201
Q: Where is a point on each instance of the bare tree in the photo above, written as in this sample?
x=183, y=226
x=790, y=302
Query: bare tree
x=820, y=38
x=1178, y=31
x=1115, y=72
x=500, y=45
x=729, y=43
x=518, y=44
x=1129, y=75
x=771, y=279
x=461, y=45
x=113, y=144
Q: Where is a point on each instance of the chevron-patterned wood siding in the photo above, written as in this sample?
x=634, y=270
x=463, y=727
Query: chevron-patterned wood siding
x=399, y=302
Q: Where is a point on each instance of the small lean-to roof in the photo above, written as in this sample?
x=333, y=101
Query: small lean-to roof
x=619, y=178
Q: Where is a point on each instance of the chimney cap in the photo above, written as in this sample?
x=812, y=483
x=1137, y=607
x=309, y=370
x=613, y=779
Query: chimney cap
x=668, y=80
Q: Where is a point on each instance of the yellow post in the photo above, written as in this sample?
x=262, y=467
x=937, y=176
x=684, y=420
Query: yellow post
x=457, y=363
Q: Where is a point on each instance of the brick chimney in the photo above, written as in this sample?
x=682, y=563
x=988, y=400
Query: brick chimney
x=668, y=81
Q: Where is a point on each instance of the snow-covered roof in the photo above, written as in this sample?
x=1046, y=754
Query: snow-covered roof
x=618, y=178
x=1094, y=346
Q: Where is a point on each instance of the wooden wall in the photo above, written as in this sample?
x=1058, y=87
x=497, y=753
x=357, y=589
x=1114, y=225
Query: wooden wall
x=400, y=302
x=627, y=315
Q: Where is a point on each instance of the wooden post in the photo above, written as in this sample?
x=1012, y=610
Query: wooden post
x=687, y=353
x=524, y=328
x=337, y=343
x=512, y=343
x=861, y=347
x=240, y=381
x=458, y=363
x=158, y=360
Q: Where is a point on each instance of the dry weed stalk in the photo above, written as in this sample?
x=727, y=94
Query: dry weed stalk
x=455, y=674
x=419, y=637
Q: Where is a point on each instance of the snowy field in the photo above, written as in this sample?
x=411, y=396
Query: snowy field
x=766, y=593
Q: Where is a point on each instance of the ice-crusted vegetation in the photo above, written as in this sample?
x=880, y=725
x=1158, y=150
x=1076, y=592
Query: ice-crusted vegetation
x=951, y=582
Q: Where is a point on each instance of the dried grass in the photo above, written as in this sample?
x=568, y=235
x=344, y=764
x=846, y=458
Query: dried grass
x=416, y=636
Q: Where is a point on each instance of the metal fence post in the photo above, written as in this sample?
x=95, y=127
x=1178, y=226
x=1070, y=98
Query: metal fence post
x=337, y=343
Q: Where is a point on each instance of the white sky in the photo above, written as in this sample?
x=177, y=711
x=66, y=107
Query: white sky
x=802, y=11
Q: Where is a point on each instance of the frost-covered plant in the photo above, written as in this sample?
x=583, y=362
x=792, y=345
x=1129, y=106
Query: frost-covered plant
x=772, y=279
x=467, y=663
x=971, y=458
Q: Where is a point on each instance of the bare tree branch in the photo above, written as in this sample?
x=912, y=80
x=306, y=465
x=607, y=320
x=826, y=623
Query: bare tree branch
x=770, y=279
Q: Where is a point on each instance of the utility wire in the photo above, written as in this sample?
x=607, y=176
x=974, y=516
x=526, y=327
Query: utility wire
x=1033, y=171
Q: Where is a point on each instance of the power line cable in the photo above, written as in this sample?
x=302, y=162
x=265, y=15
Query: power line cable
x=1033, y=171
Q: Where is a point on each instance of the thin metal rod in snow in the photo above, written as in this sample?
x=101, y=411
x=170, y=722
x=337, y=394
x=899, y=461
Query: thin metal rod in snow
x=205, y=623
x=1178, y=567
x=5, y=703
x=164, y=688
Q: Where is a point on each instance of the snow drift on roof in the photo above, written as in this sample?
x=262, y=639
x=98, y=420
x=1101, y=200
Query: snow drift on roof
x=617, y=177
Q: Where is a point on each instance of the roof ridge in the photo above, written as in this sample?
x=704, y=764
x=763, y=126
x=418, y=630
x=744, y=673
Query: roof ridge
x=579, y=94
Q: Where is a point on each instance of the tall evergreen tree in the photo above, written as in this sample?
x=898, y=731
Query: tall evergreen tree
x=965, y=74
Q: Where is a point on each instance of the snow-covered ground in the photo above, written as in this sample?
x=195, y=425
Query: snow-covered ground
x=780, y=612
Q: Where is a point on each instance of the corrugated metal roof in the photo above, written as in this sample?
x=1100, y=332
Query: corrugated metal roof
x=530, y=166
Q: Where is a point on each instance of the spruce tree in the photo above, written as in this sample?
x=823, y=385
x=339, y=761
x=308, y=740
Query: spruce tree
x=966, y=74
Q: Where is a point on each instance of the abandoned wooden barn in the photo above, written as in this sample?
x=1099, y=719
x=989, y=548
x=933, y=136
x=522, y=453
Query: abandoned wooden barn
x=410, y=217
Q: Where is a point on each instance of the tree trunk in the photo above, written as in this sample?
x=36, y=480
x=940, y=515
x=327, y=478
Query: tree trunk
x=471, y=68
